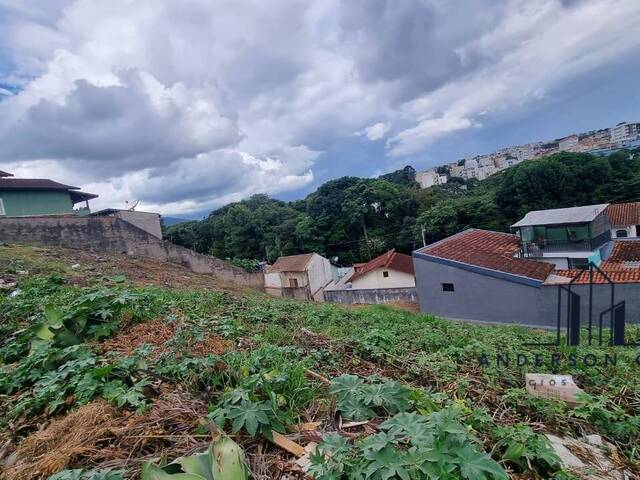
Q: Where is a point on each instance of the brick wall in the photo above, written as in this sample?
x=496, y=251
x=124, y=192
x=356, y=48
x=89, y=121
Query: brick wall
x=111, y=234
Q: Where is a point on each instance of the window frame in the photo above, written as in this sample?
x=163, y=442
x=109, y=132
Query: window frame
x=385, y=274
x=625, y=235
x=448, y=287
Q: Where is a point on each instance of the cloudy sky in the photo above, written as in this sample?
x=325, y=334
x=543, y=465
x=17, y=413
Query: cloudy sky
x=188, y=105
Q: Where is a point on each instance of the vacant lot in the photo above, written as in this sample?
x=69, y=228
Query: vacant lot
x=107, y=362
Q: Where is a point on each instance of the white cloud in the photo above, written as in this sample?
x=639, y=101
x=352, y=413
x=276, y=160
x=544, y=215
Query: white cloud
x=535, y=48
x=414, y=139
x=185, y=105
x=377, y=131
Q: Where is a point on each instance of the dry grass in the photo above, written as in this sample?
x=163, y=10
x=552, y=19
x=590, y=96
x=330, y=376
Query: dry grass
x=96, y=434
x=159, y=335
x=64, y=441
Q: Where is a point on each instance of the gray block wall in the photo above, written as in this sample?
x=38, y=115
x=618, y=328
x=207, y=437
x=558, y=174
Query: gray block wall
x=482, y=298
x=112, y=234
x=371, y=295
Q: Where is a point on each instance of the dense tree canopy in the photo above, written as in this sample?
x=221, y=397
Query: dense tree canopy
x=355, y=219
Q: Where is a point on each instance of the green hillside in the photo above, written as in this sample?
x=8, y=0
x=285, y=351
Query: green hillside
x=355, y=219
x=100, y=368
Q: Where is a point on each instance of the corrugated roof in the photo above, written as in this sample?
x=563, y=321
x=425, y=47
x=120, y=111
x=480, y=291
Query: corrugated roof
x=487, y=249
x=624, y=213
x=391, y=260
x=291, y=263
x=33, y=184
x=619, y=267
x=558, y=216
x=5, y=174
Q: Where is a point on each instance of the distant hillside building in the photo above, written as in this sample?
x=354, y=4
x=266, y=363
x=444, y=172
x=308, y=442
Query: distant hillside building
x=568, y=144
x=625, y=132
x=25, y=197
x=430, y=178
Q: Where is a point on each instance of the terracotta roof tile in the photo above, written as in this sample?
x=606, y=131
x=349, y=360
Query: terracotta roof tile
x=493, y=250
x=616, y=267
x=291, y=263
x=391, y=260
x=624, y=213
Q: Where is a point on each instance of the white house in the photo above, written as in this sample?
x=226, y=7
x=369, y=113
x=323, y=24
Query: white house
x=389, y=270
x=625, y=219
x=299, y=276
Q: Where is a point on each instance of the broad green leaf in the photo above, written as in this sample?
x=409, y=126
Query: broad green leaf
x=378, y=441
x=43, y=332
x=476, y=465
x=249, y=415
x=346, y=386
x=53, y=315
x=514, y=452
x=199, y=464
x=387, y=463
x=410, y=425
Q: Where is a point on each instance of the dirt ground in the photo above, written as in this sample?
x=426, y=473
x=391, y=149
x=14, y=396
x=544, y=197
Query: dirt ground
x=83, y=266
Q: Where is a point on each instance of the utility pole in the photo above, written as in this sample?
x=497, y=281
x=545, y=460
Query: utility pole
x=424, y=243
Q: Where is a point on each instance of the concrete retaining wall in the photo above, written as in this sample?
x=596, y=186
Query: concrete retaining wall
x=111, y=234
x=372, y=295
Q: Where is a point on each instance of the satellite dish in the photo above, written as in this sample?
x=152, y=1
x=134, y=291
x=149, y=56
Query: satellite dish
x=131, y=207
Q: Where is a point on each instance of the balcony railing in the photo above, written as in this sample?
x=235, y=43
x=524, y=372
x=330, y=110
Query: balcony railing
x=539, y=247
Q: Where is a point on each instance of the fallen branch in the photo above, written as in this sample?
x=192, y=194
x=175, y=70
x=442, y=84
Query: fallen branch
x=319, y=377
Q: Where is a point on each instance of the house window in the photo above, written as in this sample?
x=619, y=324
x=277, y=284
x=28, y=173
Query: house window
x=2, y=212
x=448, y=287
x=621, y=234
x=293, y=282
x=385, y=274
x=578, y=263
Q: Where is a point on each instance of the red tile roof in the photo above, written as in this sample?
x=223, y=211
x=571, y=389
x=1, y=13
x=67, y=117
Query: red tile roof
x=492, y=250
x=624, y=213
x=291, y=263
x=391, y=260
x=616, y=267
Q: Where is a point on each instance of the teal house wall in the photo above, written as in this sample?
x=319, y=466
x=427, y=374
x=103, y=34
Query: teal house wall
x=19, y=203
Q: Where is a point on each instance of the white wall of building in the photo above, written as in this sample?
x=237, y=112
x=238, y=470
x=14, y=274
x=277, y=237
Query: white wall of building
x=632, y=231
x=320, y=275
x=272, y=280
x=376, y=279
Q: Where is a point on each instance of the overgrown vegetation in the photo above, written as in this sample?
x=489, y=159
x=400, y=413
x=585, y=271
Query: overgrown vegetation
x=356, y=219
x=431, y=410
